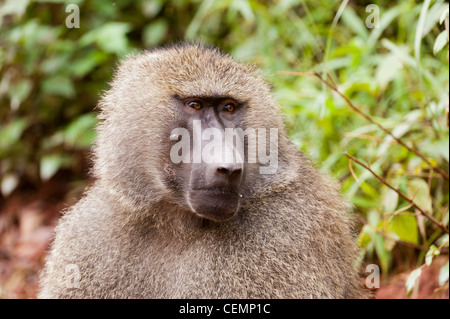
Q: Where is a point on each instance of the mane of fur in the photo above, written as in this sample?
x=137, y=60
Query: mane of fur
x=292, y=237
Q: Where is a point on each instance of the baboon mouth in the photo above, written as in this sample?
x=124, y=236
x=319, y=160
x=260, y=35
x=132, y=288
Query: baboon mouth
x=217, y=204
x=218, y=191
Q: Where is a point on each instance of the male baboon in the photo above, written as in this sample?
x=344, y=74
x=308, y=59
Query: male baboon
x=152, y=227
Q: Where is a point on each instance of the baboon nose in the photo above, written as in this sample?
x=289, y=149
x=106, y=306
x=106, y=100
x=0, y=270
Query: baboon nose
x=229, y=171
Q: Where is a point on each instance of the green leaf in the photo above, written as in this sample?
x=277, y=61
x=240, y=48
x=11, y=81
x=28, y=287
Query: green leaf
x=443, y=147
x=433, y=16
x=446, y=218
x=431, y=253
x=365, y=237
x=405, y=227
x=390, y=200
x=155, y=32
x=152, y=8
x=364, y=202
x=385, y=21
x=11, y=133
x=413, y=280
x=110, y=37
x=382, y=252
x=400, y=130
x=55, y=64
x=19, y=92
x=370, y=191
x=435, y=148
x=244, y=8
x=444, y=14
x=84, y=65
x=443, y=275
x=13, y=7
x=9, y=183
x=420, y=29
x=443, y=240
x=418, y=189
x=80, y=133
x=58, y=85
x=440, y=42
x=353, y=21
x=387, y=70
x=49, y=166
x=373, y=219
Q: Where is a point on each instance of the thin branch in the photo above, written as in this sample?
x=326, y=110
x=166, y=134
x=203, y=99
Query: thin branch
x=391, y=215
x=409, y=200
x=413, y=174
x=350, y=166
x=397, y=213
x=368, y=137
x=297, y=73
x=331, y=79
x=333, y=86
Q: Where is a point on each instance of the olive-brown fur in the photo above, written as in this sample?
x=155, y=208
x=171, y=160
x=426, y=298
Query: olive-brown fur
x=130, y=236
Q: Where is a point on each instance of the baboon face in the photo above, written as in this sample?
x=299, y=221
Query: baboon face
x=178, y=126
x=205, y=167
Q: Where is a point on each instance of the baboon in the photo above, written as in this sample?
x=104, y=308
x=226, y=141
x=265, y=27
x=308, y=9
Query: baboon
x=154, y=227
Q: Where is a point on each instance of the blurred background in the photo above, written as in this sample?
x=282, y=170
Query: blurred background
x=385, y=104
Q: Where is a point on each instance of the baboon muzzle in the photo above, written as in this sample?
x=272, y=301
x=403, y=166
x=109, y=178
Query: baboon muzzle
x=214, y=192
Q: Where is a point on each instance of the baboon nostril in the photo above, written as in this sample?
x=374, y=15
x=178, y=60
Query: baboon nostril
x=222, y=170
x=229, y=171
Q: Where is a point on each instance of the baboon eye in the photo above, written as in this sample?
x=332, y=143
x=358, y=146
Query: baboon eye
x=195, y=105
x=229, y=107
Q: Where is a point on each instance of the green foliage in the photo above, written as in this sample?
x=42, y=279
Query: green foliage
x=52, y=76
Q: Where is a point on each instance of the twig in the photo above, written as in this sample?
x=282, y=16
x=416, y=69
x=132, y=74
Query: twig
x=350, y=166
x=331, y=79
x=409, y=200
x=333, y=86
x=368, y=137
x=413, y=174
x=297, y=73
x=397, y=213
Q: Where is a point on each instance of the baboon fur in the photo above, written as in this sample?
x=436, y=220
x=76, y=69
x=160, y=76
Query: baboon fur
x=130, y=238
